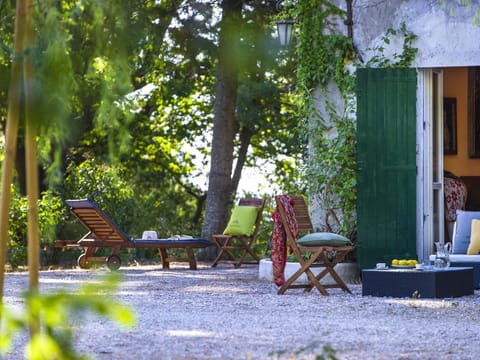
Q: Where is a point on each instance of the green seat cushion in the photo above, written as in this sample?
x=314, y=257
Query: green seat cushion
x=323, y=239
x=242, y=220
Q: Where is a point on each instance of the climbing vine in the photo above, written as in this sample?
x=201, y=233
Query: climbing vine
x=403, y=59
x=327, y=61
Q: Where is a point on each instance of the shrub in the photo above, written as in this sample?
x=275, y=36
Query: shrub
x=51, y=213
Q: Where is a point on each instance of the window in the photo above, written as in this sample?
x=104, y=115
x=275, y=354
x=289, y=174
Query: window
x=474, y=112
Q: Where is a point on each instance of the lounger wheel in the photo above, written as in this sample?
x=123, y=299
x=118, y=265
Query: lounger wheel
x=114, y=262
x=83, y=262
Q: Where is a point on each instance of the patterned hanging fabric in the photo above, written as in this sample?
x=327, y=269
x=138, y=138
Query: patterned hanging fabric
x=279, y=237
x=455, y=197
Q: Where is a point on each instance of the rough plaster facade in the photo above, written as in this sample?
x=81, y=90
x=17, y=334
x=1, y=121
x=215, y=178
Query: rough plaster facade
x=446, y=36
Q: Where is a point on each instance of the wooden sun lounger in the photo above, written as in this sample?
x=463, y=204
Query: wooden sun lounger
x=105, y=233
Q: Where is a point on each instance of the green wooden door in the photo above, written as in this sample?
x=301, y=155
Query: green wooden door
x=386, y=122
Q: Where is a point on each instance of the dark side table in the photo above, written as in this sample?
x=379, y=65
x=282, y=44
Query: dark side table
x=436, y=283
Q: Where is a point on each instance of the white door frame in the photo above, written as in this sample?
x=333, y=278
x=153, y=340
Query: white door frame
x=430, y=206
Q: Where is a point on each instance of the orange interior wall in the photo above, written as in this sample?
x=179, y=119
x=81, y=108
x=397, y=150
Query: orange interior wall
x=455, y=85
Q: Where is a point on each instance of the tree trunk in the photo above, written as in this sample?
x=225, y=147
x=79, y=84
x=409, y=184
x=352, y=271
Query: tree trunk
x=219, y=193
x=31, y=164
x=245, y=137
x=13, y=116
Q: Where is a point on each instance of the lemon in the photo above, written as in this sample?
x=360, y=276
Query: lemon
x=395, y=262
x=403, y=262
x=413, y=262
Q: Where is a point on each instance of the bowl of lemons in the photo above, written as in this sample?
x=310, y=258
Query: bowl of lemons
x=404, y=263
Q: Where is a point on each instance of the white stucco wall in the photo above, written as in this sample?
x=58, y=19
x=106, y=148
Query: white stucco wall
x=317, y=211
x=443, y=39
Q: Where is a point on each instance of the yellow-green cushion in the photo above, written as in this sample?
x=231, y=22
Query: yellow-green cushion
x=474, y=246
x=242, y=220
x=323, y=239
x=462, y=230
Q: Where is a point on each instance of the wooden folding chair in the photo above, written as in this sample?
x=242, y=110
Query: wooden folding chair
x=325, y=257
x=227, y=244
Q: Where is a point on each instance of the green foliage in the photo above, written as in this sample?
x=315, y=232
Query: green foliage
x=106, y=186
x=134, y=205
x=403, y=59
x=333, y=166
x=84, y=55
x=324, y=57
x=6, y=52
x=51, y=213
x=54, y=80
x=326, y=61
x=145, y=150
x=451, y=6
x=328, y=353
x=17, y=254
x=57, y=314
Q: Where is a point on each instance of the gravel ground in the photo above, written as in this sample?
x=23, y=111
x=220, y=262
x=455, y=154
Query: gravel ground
x=227, y=313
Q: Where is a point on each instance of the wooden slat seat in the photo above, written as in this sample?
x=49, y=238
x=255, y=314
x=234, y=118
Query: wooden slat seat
x=105, y=233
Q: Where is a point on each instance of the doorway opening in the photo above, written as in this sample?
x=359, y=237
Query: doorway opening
x=450, y=164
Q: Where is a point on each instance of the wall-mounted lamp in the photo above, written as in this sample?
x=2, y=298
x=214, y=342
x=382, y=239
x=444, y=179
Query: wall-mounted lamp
x=284, y=30
x=284, y=27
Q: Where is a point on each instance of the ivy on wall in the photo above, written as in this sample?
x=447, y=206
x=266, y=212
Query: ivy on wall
x=326, y=66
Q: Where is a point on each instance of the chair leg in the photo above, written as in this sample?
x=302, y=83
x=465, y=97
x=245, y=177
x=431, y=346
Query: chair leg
x=315, y=282
x=244, y=256
x=304, y=268
x=290, y=281
x=191, y=258
x=329, y=269
x=220, y=253
x=163, y=256
x=247, y=249
x=339, y=280
x=223, y=251
x=338, y=257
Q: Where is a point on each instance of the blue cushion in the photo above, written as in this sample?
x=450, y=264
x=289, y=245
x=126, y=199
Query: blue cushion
x=323, y=239
x=462, y=230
